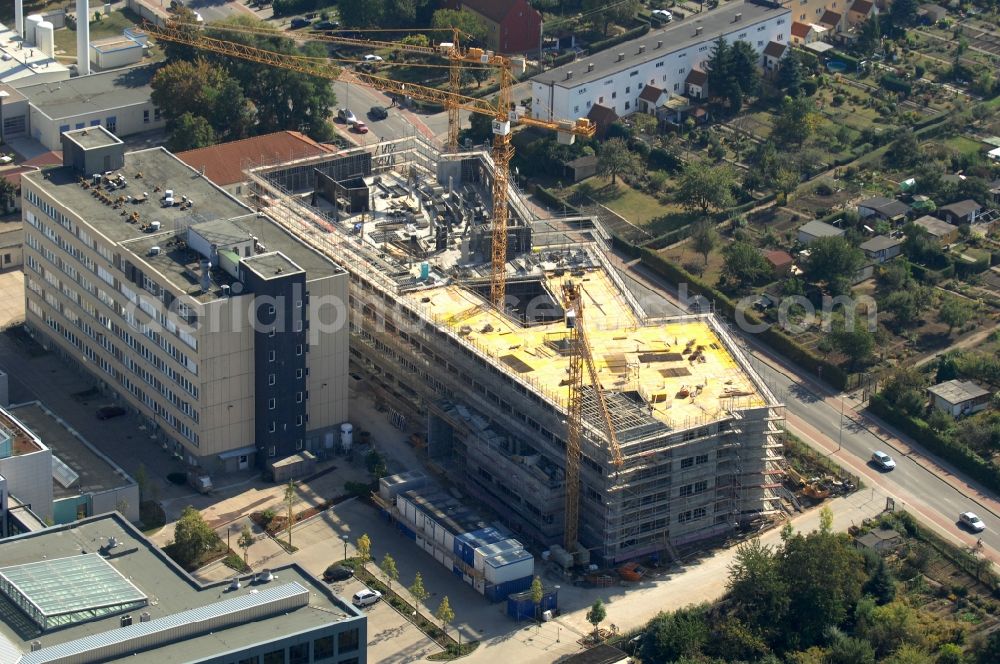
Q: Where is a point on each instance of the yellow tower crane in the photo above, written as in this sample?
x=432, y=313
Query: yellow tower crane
x=579, y=355
x=501, y=112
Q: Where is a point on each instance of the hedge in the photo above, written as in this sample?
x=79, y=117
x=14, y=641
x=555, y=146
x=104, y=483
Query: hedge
x=772, y=336
x=849, y=60
x=623, y=37
x=896, y=84
x=552, y=200
x=563, y=59
x=955, y=453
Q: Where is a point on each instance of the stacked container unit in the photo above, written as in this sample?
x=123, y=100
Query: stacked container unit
x=520, y=606
x=506, y=573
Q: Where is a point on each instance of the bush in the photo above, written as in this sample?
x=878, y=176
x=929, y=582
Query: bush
x=838, y=99
x=289, y=7
x=808, y=87
x=267, y=516
x=358, y=489
x=624, y=37
x=179, y=479
x=896, y=84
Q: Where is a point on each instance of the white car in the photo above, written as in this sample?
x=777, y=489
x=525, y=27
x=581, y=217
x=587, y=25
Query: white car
x=373, y=58
x=346, y=116
x=366, y=598
x=883, y=460
x=972, y=522
x=663, y=15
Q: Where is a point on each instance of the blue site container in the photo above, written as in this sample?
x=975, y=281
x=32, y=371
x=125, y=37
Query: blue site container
x=456, y=571
x=499, y=592
x=406, y=531
x=520, y=606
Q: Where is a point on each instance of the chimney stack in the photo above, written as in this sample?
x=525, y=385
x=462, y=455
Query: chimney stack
x=19, y=17
x=738, y=18
x=698, y=30
x=569, y=75
x=621, y=56
x=659, y=43
x=642, y=49
x=590, y=66
x=82, y=37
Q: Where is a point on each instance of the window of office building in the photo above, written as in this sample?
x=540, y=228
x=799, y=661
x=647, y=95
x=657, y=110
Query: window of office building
x=276, y=657
x=323, y=648
x=347, y=641
x=298, y=653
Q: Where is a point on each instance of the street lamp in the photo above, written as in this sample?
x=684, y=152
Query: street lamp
x=345, y=538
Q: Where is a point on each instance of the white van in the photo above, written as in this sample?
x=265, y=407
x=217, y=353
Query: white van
x=366, y=598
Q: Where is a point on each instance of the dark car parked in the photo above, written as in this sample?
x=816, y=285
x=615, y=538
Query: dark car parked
x=325, y=25
x=378, y=113
x=299, y=23
x=108, y=412
x=337, y=573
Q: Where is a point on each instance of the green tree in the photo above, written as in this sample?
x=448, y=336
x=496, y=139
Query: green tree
x=417, y=590
x=881, y=585
x=904, y=151
x=790, y=75
x=188, y=27
x=705, y=187
x=604, y=14
x=786, y=180
x=870, y=36
x=202, y=89
x=446, y=615
x=734, y=641
x=909, y=654
x=189, y=132
x=903, y=13
x=362, y=13
x=290, y=498
x=388, y=567
x=744, y=61
x=704, y=238
x=596, y=615
x=744, y=265
x=796, y=121
x=950, y=653
x=847, y=650
x=193, y=537
x=758, y=592
x=245, y=541
x=989, y=652
x=831, y=258
x=955, y=312
x=673, y=636
x=364, y=548
x=856, y=342
x=467, y=23
x=825, y=574
x=480, y=128
x=906, y=306
x=537, y=594
x=614, y=159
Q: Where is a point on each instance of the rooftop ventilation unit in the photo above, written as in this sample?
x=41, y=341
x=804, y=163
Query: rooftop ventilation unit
x=698, y=30
x=642, y=49
x=569, y=75
x=590, y=66
x=154, y=251
x=621, y=56
x=738, y=18
x=145, y=617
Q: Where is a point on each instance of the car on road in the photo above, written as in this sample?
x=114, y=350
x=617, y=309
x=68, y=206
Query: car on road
x=346, y=115
x=325, y=25
x=972, y=522
x=337, y=573
x=378, y=113
x=298, y=23
x=373, y=58
x=663, y=15
x=109, y=412
x=360, y=127
x=366, y=598
x=883, y=461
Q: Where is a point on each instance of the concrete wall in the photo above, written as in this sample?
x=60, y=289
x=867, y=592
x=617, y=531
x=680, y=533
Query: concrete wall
x=29, y=477
x=124, y=499
x=128, y=120
x=327, y=359
x=620, y=91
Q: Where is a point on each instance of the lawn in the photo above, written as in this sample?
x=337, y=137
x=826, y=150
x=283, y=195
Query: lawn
x=111, y=25
x=635, y=206
x=963, y=145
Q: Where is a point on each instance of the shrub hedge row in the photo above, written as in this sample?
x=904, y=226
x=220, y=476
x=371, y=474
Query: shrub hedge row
x=623, y=37
x=552, y=200
x=952, y=451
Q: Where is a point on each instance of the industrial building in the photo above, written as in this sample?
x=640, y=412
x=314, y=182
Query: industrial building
x=97, y=591
x=195, y=311
x=665, y=58
x=412, y=226
x=486, y=557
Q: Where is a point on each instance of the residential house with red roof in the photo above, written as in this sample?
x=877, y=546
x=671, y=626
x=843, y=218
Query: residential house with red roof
x=512, y=26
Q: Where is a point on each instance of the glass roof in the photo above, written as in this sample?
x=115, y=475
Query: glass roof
x=76, y=584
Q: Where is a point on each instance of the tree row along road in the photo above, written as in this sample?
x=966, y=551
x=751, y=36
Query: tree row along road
x=920, y=483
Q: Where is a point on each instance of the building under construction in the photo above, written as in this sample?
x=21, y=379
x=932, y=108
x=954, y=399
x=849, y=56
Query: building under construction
x=696, y=427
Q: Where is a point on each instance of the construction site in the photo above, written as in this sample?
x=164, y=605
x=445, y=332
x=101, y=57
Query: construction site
x=666, y=441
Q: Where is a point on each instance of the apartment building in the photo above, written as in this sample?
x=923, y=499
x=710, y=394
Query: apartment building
x=616, y=77
x=199, y=314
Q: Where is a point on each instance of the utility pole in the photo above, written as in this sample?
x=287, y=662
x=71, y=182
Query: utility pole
x=840, y=436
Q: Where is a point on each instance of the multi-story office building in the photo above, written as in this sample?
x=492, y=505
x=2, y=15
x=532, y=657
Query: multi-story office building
x=199, y=313
x=663, y=58
x=98, y=591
